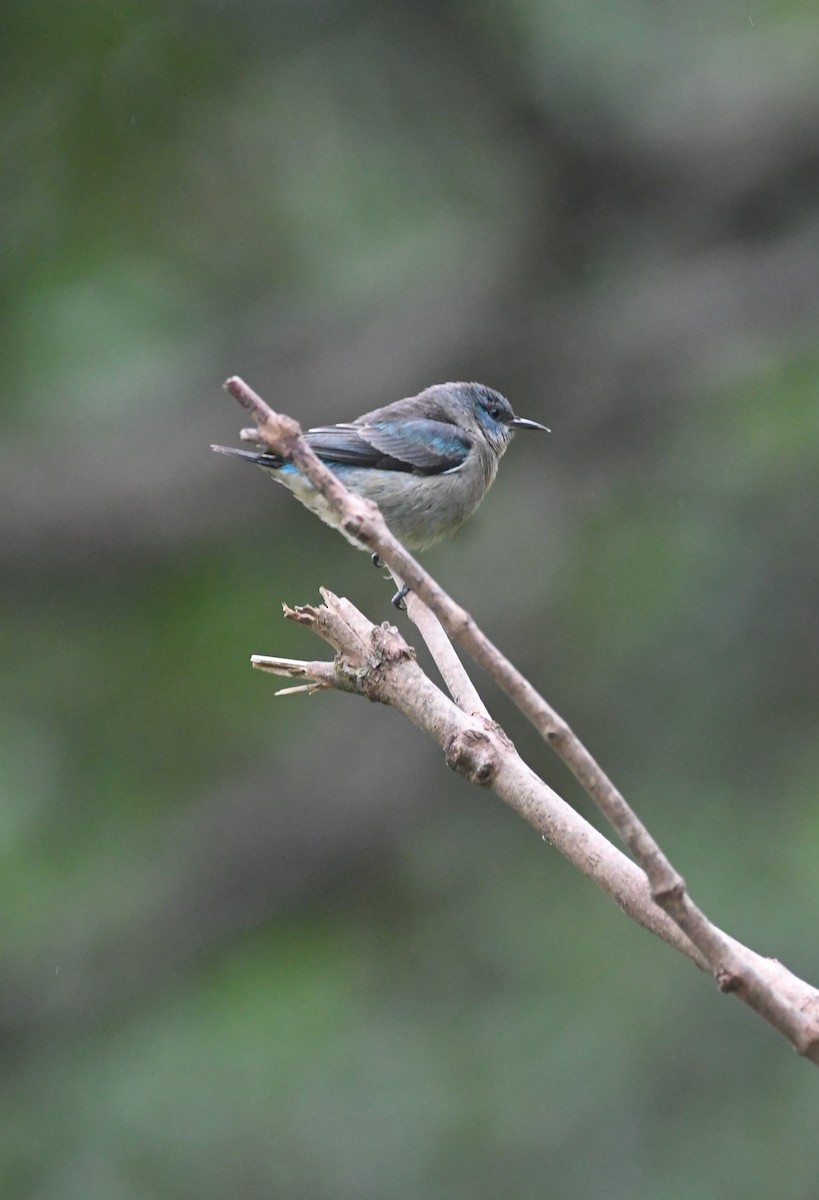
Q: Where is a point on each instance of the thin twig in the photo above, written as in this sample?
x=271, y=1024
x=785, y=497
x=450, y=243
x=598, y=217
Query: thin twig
x=459, y=685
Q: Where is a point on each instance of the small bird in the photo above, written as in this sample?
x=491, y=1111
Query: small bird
x=426, y=461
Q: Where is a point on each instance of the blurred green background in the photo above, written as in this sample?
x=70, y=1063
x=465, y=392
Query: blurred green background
x=273, y=948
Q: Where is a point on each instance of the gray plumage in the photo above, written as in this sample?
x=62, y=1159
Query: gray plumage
x=427, y=461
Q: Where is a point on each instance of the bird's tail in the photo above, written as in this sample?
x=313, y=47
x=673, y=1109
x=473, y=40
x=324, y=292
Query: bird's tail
x=254, y=456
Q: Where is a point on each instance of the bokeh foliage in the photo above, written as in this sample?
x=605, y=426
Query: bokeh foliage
x=272, y=948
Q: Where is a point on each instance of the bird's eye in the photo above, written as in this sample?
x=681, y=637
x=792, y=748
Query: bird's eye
x=494, y=412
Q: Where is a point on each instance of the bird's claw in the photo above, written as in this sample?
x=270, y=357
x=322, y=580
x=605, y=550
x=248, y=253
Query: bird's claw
x=398, y=598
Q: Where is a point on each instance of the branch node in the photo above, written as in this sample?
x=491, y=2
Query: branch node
x=728, y=979
x=669, y=891
x=472, y=753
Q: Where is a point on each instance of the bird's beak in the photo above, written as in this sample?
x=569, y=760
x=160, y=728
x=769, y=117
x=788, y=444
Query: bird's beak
x=525, y=423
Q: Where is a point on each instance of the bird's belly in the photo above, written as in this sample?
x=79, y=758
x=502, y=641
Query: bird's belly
x=418, y=509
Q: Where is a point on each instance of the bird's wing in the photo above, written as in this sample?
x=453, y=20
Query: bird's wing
x=423, y=446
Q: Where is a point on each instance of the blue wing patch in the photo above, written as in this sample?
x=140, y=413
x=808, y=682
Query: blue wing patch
x=421, y=446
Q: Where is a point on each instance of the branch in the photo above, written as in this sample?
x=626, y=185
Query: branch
x=376, y=662
x=787, y=1003
x=459, y=685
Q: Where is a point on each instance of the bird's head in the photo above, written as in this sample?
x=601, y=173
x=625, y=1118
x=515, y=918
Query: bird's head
x=480, y=410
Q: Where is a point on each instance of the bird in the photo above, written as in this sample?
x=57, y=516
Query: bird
x=427, y=461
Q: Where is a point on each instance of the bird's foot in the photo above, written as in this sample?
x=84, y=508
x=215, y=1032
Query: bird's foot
x=398, y=598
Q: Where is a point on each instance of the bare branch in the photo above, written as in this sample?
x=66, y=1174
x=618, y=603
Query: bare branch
x=734, y=967
x=460, y=686
x=376, y=662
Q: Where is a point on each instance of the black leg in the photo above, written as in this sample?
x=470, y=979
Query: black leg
x=398, y=598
